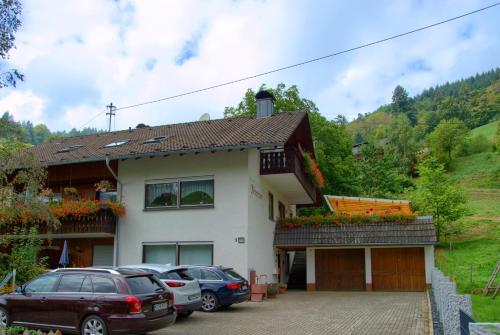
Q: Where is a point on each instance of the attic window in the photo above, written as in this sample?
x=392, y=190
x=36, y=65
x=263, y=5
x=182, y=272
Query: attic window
x=116, y=144
x=154, y=140
x=70, y=148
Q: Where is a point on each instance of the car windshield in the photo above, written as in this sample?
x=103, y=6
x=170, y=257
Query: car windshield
x=233, y=274
x=144, y=285
x=180, y=274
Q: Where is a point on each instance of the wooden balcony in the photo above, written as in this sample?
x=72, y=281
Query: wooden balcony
x=285, y=170
x=102, y=224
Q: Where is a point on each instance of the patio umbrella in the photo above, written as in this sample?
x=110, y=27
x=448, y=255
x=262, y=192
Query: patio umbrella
x=64, y=259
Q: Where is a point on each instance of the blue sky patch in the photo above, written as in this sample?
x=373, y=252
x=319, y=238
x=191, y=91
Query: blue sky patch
x=189, y=50
x=150, y=64
x=419, y=65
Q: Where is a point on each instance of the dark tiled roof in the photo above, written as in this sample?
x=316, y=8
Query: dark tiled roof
x=421, y=231
x=240, y=132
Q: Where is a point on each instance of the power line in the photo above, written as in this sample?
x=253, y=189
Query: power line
x=310, y=60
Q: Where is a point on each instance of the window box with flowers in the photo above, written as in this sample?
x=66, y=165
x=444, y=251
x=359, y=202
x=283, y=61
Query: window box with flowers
x=313, y=171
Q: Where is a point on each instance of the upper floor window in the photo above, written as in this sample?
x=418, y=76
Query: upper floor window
x=179, y=193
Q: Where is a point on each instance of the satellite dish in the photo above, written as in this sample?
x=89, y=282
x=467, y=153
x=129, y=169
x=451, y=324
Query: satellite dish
x=205, y=117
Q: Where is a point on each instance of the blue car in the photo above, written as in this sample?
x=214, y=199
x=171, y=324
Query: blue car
x=220, y=286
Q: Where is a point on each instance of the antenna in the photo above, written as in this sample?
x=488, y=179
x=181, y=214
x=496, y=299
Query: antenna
x=111, y=113
x=205, y=117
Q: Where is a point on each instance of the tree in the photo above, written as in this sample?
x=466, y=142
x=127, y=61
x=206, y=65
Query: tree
x=331, y=139
x=401, y=104
x=376, y=175
x=447, y=137
x=10, y=12
x=41, y=133
x=402, y=145
x=435, y=195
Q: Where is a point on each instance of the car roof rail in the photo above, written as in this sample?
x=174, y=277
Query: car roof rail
x=111, y=271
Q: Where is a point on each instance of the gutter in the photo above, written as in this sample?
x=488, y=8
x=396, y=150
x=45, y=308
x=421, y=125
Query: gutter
x=117, y=229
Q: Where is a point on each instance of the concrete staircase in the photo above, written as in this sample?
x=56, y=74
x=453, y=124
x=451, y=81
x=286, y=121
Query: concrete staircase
x=297, y=279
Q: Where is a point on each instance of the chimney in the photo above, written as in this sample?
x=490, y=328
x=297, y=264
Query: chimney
x=265, y=104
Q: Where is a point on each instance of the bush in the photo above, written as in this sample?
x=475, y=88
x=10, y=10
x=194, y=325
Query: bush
x=479, y=144
x=23, y=256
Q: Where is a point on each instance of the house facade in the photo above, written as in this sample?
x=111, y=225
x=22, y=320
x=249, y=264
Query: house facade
x=205, y=192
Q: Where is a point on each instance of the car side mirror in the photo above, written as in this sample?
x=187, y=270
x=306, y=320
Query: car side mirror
x=21, y=289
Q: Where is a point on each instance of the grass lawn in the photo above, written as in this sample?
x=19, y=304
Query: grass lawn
x=488, y=130
x=476, y=250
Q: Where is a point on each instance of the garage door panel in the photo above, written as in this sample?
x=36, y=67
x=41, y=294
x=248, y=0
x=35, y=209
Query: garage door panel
x=398, y=269
x=340, y=269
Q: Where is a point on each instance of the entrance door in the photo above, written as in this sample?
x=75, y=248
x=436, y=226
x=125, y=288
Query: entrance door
x=102, y=255
x=398, y=269
x=340, y=269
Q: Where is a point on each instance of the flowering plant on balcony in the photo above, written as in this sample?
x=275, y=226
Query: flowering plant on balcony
x=55, y=212
x=84, y=208
x=336, y=219
x=312, y=169
x=103, y=185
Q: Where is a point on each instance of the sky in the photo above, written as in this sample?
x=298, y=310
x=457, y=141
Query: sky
x=78, y=56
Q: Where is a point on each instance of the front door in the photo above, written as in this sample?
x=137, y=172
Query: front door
x=32, y=307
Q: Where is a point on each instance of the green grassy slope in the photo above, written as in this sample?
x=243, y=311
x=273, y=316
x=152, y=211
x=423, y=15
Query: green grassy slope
x=488, y=130
x=475, y=252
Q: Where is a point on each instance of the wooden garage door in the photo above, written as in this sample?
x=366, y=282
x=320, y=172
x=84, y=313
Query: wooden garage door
x=398, y=269
x=340, y=269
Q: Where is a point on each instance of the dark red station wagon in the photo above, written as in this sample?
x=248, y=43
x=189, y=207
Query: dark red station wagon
x=90, y=302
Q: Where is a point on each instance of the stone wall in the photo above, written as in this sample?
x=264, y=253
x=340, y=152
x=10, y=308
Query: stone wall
x=449, y=302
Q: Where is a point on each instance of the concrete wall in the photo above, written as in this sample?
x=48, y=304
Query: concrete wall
x=220, y=225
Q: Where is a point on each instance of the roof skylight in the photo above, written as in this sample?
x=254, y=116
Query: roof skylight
x=70, y=148
x=154, y=140
x=116, y=144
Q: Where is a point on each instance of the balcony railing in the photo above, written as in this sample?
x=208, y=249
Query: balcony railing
x=286, y=161
x=103, y=222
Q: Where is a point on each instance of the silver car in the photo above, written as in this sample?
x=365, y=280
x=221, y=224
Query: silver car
x=186, y=289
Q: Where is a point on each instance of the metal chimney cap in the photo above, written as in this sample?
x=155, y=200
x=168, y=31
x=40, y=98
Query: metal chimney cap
x=261, y=95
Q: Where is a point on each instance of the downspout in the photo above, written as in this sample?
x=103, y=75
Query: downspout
x=117, y=228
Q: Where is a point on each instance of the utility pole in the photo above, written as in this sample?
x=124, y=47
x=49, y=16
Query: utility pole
x=111, y=113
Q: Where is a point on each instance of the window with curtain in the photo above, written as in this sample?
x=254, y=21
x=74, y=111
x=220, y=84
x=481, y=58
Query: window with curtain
x=196, y=254
x=161, y=195
x=160, y=254
x=197, y=192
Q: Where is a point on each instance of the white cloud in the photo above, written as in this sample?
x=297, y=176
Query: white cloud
x=81, y=55
x=23, y=105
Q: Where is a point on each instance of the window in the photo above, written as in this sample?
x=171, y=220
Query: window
x=271, y=206
x=180, y=193
x=282, y=210
x=181, y=274
x=195, y=273
x=70, y=148
x=154, y=140
x=197, y=192
x=103, y=285
x=209, y=275
x=178, y=253
x=144, y=285
x=233, y=274
x=161, y=195
x=116, y=144
x=195, y=254
x=42, y=284
x=70, y=283
x=160, y=254
x=87, y=285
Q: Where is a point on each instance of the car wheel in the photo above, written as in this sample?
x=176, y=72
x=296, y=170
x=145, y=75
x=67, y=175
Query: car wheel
x=209, y=302
x=94, y=325
x=4, y=318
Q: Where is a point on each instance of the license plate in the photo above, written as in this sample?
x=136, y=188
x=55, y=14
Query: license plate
x=244, y=287
x=160, y=307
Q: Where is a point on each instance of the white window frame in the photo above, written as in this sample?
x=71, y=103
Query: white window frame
x=178, y=181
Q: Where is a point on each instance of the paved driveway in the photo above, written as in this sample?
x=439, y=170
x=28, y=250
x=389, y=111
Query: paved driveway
x=304, y=313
